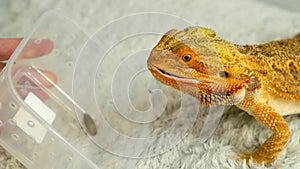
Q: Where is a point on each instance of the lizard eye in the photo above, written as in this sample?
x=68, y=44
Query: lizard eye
x=223, y=73
x=186, y=57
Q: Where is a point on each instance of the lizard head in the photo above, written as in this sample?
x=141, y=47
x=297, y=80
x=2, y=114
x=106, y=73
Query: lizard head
x=197, y=62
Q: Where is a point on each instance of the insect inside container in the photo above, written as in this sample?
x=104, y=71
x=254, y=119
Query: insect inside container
x=89, y=124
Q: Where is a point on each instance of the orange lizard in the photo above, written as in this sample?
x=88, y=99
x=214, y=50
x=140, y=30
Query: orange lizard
x=263, y=79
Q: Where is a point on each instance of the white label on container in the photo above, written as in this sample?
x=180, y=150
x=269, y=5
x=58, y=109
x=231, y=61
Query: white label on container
x=28, y=123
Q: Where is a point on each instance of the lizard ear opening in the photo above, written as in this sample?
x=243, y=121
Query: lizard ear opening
x=223, y=73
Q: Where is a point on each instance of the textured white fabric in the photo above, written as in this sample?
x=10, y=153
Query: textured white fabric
x=240, y=21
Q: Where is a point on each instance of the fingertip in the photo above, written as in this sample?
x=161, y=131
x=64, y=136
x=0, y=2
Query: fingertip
x=36, y=47
x=43, y=77
x=46, y=78
x=47, y=46
x=50, y=76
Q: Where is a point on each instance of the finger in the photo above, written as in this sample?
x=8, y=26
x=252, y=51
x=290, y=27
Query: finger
x=7, y=47
x=2, y=65
x=39, y=93
x=41, y=77
x=35, y=48
x=31, y=81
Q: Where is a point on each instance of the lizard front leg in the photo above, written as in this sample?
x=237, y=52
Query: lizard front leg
x=271, y=148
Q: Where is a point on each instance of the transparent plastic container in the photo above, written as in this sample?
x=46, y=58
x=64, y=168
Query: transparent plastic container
x=39, y=124
x=58, y=123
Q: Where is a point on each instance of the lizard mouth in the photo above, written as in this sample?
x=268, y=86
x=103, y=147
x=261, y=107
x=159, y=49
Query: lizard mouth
x=174, y=76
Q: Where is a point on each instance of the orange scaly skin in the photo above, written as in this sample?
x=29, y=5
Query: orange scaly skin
x=263, y=80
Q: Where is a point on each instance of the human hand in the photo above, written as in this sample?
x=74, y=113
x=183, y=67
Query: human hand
x=31, y=50
x=7, y=47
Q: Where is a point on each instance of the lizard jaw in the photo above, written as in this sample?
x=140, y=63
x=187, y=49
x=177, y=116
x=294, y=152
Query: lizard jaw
x=174, y=76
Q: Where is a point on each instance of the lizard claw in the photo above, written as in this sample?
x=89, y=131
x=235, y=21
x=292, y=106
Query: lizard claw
x=245, y=156
x=241, y=157
x=254, y=157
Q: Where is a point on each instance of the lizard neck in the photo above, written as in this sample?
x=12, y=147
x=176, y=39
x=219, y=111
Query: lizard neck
x=276, y=66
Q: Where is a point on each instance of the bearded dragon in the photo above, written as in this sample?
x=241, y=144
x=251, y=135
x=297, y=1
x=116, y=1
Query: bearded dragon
x=262, y=79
